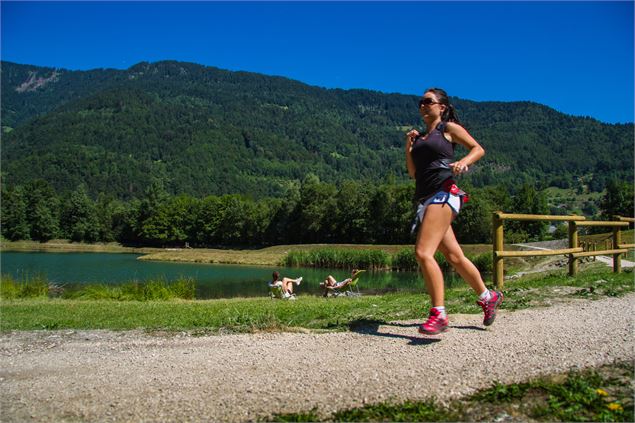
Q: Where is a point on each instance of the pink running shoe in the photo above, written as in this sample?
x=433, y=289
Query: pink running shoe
x=489, y=307
x=435, y=323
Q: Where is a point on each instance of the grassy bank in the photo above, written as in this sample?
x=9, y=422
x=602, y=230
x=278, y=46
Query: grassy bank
x=278, y=255
x=66, y=246
x=308, y=312
x=602, y=394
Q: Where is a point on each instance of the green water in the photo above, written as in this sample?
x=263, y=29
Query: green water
x=212, y=281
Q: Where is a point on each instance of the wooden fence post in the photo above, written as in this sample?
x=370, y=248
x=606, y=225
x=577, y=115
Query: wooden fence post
x=617, y=241
x=573, y=243
x=497, y=225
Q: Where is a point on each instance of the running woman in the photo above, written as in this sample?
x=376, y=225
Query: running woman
x=430, y=161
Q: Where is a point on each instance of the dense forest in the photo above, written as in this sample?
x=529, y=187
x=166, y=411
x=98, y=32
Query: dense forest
x=169, y=152
x=205, y=131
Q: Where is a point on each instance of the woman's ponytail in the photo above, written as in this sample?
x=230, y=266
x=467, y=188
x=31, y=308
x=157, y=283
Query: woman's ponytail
x=449, y=114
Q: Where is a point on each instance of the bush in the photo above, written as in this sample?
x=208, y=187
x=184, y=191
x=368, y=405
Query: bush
x=483, y=262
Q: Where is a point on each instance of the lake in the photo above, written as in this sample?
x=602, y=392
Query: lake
x=212, y=280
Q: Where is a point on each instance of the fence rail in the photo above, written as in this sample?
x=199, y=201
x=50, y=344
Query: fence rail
x=574, y=252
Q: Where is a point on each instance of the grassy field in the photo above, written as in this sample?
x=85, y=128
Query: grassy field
x=307, y=313
x=572, y=201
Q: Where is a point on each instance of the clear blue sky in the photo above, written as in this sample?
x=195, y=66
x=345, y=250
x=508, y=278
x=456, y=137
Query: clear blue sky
x=576, y=57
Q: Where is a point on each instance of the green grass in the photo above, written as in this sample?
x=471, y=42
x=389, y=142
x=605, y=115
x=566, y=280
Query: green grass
x=602, y=394
x=311, y=312
x=38, y=287
x=545, y=288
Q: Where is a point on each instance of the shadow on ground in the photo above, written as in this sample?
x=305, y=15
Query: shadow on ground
x=371, y=327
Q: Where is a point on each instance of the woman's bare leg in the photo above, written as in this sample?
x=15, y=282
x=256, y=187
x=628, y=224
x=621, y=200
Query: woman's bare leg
x=328, y=282
x=289, y=280
x=454, y=255
x=287, y=285
x=436, y=222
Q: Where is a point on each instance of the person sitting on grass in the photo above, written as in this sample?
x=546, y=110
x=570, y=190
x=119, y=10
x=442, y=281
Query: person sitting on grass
x=285, y=283
x=330, y=283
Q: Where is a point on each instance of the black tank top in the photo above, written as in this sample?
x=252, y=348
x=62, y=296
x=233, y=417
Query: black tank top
x=431, y=157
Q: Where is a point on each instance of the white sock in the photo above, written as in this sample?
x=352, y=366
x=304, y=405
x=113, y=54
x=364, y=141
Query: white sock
x=441, y=311
x=485, y=296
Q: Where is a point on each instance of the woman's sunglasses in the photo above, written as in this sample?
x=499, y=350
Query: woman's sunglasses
x=427, y=101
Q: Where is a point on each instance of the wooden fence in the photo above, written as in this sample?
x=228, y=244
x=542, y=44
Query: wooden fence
x=574, y=252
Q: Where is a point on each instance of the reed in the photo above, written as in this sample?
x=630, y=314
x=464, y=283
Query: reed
x=26, y=287
x=338, y=258
x=403, y=260
x=152, y=290
x=406, y=260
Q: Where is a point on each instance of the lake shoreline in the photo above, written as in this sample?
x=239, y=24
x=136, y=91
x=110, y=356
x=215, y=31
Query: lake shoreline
x=183, y=255
x=63, y=246
x=265, y=256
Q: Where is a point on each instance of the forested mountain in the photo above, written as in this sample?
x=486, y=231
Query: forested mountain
x=201, y=130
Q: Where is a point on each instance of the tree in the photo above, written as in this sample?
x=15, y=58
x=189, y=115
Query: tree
x=317, y=207
x=207, y=221
x=529, y=201
x=79, y=220
x=171, y=221
x=231, y=222
x=351, y=213
x=284, y=212
x=618, y=199
x=473, y=224
x=391, y=212
x=154, y=199
x=126, y=222
x=42, y=210
x=14, y=217
x=106, y=208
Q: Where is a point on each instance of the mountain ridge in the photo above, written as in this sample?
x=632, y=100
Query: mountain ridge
x=203, y=130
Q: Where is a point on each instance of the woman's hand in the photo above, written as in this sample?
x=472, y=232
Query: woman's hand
x=411, y=136
x=459, y=135
x=459, y=167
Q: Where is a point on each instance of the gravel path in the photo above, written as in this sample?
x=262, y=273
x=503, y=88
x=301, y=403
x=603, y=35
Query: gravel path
x=133, y=376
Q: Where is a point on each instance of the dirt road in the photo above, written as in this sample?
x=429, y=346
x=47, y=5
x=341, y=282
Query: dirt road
x=133, y=376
